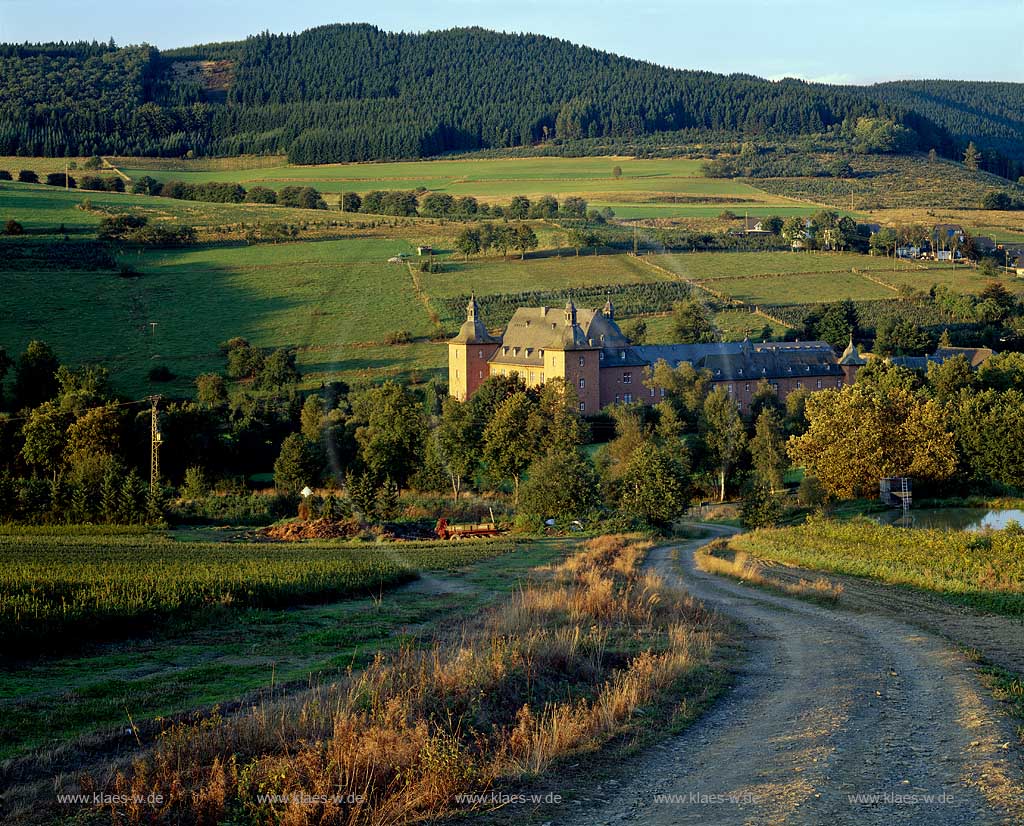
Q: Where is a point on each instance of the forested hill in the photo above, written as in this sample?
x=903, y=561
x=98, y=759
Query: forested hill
x=354, y=92
x=991, y=114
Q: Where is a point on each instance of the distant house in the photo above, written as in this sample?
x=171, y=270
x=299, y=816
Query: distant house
x=806, y=238
x=908, y=251
x=982, y=243
x=756, y=226
x=424, y=249
x=946, y=232
x=867, y=230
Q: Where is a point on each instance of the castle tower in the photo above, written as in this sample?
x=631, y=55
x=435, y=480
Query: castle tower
x=468, y=353
x=851, y=361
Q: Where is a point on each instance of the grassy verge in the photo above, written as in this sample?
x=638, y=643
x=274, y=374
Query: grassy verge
x=717, y=558
x=565, y=665
x=982, y=570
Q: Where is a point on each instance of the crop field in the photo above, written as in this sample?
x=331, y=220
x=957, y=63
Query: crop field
x=233, y=647
x=61, y=589
x=495, y=275
x=895, y=182
x=985, y=571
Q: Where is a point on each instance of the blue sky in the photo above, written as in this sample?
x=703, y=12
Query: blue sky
x=860, y=42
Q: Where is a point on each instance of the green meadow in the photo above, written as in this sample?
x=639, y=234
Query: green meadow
x=323, y=297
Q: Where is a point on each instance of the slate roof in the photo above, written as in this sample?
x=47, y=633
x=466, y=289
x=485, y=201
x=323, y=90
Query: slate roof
x=976, y=356
x=744, y=361
x=473, y=329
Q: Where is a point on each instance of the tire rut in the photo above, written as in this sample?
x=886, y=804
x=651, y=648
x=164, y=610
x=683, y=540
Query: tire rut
x=827, y=706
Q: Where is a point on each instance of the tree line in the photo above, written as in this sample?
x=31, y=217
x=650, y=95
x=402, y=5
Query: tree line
x=355, y=92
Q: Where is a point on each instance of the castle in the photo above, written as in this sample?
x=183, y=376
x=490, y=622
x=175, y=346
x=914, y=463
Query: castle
x=589, y=351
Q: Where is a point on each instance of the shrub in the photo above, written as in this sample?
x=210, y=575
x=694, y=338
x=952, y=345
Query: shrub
x=398, y=337
x=5, y=175
x=261, y=195
x=146, y=186
x=12, y=227
x=27, y=176
x=161, y=373
x=60, y=179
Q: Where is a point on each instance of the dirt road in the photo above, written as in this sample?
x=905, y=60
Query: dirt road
x=836, y=718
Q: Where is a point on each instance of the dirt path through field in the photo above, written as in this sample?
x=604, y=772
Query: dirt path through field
x=836, y=718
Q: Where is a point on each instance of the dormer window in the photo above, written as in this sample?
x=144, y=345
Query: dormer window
x=623, y=355
x=741, y=371
x=542, y=354
x=504, y=351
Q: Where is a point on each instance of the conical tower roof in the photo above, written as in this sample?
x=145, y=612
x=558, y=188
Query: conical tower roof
x=851, y=356
x=473, y=329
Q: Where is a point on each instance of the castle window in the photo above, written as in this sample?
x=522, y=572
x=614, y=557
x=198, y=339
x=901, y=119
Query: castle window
x=623, y=355
x=746, y=387
x=839, y=382
x=479, y=354
x=628, y=398
x=542, y=378
x=583, y=406
x=583, y=384
x=480, y=374
x=799, y=384
x=583, y=361
x=819, y=384
x=627, y=378
x=775, y=387
x=731, y=389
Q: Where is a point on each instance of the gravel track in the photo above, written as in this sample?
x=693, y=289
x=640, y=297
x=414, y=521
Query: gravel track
x=827, y=705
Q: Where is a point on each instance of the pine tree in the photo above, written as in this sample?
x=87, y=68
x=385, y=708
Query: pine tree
x=387, y=500
x=362, y=492
x=972, y=157
x=155, y=505
x=131, y=499
x=82, y=504
x=110, y=496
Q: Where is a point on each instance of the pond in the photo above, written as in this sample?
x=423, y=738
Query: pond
x=953, y=519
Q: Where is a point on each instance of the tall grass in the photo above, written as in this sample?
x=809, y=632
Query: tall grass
x=716, y=558
x=983, y=570
x=562, y=666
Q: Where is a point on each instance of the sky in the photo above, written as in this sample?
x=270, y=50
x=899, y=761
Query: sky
x=861, y=42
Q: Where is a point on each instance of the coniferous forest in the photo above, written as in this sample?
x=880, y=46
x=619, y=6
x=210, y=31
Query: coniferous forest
x=354, y=92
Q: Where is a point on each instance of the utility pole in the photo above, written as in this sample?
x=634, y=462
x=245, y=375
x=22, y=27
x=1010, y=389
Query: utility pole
x=155, y=439
x=67, y=182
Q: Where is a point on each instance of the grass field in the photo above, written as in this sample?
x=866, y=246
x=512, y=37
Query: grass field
x=239, y=648
x=985, y=571
x=797, y=289
x=322, y=297
x=646, y=188
x=705, y=266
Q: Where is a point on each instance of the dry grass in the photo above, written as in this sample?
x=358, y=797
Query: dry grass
x=716, y=558
x=562, y=666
